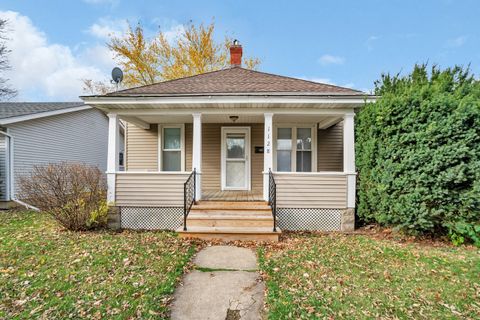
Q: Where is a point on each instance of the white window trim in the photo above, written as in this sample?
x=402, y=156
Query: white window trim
x=160, y=145
x=294, y=144
x=247, y=155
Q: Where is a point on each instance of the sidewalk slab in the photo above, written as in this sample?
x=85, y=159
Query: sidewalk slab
x=213, y=295
x=226, y=257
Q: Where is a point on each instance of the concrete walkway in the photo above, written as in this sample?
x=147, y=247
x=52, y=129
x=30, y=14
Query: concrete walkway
x=225, y=285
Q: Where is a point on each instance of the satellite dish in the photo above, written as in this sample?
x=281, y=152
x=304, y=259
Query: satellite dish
x=117, y=75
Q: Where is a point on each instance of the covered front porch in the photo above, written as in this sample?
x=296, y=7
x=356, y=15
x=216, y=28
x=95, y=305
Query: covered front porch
x=234, y=152
x=232, y=149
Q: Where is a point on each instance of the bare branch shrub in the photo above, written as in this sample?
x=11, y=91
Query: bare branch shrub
x=74, y=194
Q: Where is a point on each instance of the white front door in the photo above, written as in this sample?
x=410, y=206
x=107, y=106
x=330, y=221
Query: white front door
x=235, y=158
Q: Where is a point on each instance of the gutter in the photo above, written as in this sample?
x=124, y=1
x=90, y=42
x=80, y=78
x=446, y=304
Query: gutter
x=10, y=194
x=43, y=114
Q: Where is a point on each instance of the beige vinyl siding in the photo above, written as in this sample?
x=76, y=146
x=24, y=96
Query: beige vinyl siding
x=211, y=155
x=211, y=159
x=257, y=158
x=188, y=146
x=141, y=148
x=330, y=148
x=142, y=152
x=150, y=189
x=303, y=190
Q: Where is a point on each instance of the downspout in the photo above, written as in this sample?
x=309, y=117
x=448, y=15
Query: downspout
x=10, y=172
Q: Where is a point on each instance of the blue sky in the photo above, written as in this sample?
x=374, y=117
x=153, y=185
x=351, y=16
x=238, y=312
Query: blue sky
x=56, y=43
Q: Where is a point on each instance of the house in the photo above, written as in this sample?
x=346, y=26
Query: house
x=41, y=133
x=233, y=153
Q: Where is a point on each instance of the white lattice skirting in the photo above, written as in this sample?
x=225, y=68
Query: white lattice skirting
x=151, y=218
x=170, y=218
x=309, y=219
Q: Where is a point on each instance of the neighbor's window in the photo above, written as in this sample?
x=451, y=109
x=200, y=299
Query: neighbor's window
x=294, y=148
x=172, y=149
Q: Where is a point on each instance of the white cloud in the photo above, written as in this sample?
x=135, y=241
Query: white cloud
x=370, y=42
x=328, y=59
x=170, y=28
x=457, y=42
x=105, y=27
x=174, y=32
x=52, y=70
x=99, y=55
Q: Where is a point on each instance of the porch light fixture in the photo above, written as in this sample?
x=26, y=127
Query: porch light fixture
x=234, y=118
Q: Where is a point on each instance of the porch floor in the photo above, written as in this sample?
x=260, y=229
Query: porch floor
x=232, y=196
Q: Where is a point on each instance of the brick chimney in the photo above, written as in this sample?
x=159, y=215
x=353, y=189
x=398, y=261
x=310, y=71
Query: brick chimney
x=236, y=54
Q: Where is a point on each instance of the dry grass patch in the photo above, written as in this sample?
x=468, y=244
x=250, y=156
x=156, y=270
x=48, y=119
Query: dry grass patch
x=311, y=276
x=47, y=272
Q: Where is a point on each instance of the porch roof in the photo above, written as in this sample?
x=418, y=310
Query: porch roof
x=233, y=89
x=234, y=81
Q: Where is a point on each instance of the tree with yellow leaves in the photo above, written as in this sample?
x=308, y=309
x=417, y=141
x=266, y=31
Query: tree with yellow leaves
x=143, y=61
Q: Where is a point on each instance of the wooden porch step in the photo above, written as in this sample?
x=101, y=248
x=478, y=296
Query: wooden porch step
x=231, y=205
x=230, y=212
x=230, y=220
x=222, y=219
x=262, y=234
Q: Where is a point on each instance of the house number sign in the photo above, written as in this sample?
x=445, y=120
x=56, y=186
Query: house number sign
x=269, y=140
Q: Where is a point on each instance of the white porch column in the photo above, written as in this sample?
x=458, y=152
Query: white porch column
x=349, y=157
x=267, y=152
x=197, y=153
x=112, y=160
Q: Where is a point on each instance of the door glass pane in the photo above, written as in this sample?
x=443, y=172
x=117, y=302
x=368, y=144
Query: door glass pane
x=171, y=138
x=171, y=160
x=304, y=161
x=284, y=139
x=235, y=146
x=284, y=160
x=235, y=174
x=304, y=138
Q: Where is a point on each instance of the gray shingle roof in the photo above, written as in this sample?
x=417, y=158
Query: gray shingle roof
x=15, y=109
x=237, y=80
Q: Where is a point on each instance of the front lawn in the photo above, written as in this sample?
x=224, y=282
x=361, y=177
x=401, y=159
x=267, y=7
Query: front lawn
x=360, y=277
x=55, y=274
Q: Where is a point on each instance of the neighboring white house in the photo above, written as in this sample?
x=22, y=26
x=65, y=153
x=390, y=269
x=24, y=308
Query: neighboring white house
x=41, y=133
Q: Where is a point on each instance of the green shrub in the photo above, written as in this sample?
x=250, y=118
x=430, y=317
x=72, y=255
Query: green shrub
x=74, y=194
x=418, y=154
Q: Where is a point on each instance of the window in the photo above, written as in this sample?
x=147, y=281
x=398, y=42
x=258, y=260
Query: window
x=284, y=149
x=120, y=159
x=172, y=148
x=295, y=149
x=304, y=149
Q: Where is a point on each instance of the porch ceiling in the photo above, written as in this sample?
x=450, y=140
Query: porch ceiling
x=324, y=121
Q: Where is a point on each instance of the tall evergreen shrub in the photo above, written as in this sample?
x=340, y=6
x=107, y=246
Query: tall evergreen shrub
x=418, y=154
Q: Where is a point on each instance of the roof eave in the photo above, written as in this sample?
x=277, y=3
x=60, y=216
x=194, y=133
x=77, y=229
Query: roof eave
x=237, y=94
x=32, y=116
x=216, y=98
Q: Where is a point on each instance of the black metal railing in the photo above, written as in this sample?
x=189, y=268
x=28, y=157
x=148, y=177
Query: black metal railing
x=272, y=197
x=189, y=196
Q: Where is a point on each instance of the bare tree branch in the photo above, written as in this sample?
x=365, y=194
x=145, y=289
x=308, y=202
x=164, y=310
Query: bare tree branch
x=6, y=92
